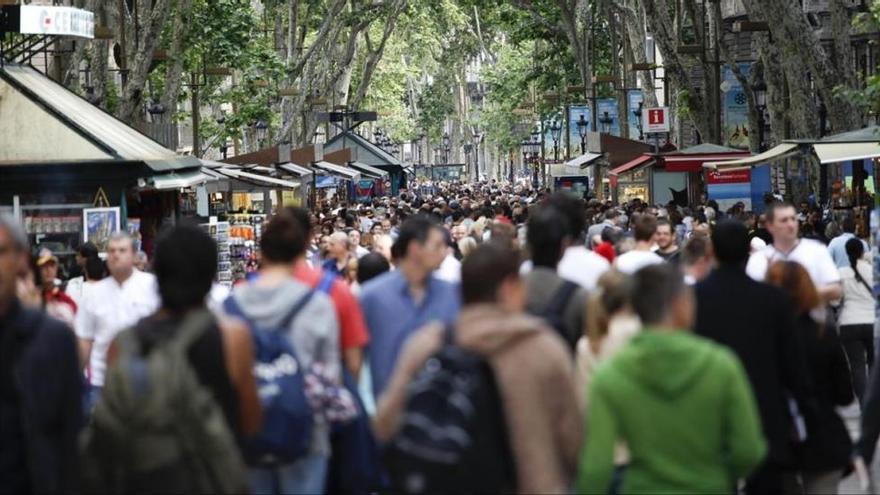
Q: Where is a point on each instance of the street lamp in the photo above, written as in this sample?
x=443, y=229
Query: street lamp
x=156, y=110
x=555, y=133
x=583, y=126
x=606, y=121
x=637, y=113
x=760, y=91
x=224, y=148
x=446, y=147
x=261, y=129
x=468, y=147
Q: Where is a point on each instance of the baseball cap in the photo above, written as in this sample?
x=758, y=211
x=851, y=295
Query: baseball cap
x=46, y=256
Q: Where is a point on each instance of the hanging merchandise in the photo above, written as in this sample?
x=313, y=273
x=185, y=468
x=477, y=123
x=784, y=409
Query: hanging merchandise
x=219, y=231
x=245, y=232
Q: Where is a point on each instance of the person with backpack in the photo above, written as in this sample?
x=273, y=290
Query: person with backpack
x=179, y=390
x=681, y=403
x=296, y=335
x=560, y=302
x=515, y=397
x=40, y=385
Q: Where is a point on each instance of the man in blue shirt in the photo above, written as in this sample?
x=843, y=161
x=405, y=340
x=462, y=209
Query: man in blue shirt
x=398, y=303
x=837, y=246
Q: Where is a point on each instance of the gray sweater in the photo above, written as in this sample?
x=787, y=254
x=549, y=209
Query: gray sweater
x=314, y=332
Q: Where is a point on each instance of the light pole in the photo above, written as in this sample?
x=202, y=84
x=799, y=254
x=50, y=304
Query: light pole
x=555, y=134
x=637, y=113
x=760, y=91
x=446, y=148
x=468, y=147
x=583, y=126
x=606, y=121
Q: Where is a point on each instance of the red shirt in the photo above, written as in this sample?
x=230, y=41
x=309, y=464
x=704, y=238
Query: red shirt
x=606, y=250
x=352, y=327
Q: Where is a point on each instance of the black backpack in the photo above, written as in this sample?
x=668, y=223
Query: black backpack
x=453, y=434
x=553, y=312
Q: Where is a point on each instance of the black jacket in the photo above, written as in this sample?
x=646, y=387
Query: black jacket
x=47, y=377
x=757, y=322
x=871, y=415
x=828, y=447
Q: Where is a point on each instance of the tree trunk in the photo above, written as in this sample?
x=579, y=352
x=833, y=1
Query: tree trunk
x=149, y=35
x=374, y=56
x=174, y=70
x=796, y=39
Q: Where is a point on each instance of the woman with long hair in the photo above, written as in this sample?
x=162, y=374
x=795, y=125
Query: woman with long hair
x=857, y=315
x=825, y=455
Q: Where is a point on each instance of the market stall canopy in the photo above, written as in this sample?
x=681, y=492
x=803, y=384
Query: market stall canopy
x=777, y=153
x=180, y=179
x=632, y=164
x=566, y=170
x=583, y=160
x=376, y=173
x=295, y=169
x=337, y=170
x=362, y=150
x=693, y=158
x=257, y=179
x=845, y=152
x=44, y=123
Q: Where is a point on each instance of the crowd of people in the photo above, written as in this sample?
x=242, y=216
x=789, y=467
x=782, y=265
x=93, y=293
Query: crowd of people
x=484, y=338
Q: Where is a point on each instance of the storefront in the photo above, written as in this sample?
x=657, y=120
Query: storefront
x=73, y=173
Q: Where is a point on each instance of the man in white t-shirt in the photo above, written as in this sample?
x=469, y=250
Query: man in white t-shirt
x=112, y=305
x=782, y=222
x=645, y=229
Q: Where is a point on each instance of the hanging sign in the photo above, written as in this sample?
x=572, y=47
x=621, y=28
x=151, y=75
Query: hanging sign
x=656, y=119
x=59, y=21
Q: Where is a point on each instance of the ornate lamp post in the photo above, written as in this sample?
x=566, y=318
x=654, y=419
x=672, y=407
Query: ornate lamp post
x=583, y=126
x=555, y=134
x=760, y=91
x=606, y=120
x=637, y=113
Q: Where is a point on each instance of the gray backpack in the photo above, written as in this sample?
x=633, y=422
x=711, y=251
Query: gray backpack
x=156, y=429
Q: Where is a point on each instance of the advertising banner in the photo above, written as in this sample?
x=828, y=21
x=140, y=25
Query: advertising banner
x=730, y=187
x=574, y=137
x=735, y=108
x=607, y=107
x=633, y=98
x=61, y=21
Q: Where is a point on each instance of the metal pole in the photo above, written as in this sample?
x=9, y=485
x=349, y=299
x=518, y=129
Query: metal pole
x=196, y=148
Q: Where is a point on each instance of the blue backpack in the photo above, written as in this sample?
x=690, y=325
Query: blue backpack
x=287, y=416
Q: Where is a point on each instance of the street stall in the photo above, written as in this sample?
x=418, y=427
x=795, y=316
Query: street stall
x=363, y=151
x=575, y=175
x=371, y=184
x=74, y=173
x=847, y=171
x=334, y=180
x=615, y=152
x=677, y=176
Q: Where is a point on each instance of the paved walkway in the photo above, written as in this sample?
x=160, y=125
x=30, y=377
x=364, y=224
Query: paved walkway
x=851, y=484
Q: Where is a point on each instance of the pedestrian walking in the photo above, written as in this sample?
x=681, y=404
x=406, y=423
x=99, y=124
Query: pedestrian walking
x=148, y=442
x=644, y=231
x=826, y=453
x=278, y=306
x=667, y=243
x=813, y=255
x=529, y=364
x=837, y=246
x=857, y=315
x=578, y=264
x=40, y=386
x=56, y=302
x=681, y=403
x=756, y=321
x=558, y=301
x=400, y=302
x=114, y=304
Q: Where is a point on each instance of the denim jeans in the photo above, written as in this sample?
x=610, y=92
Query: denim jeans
x=305, y=476
x=90, y=399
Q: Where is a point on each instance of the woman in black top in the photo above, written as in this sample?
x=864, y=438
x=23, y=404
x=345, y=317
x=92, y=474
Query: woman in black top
x=825, y=455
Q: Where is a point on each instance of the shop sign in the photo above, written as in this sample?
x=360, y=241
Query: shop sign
x=656, y=120
x=730, y=187
x=60, y=21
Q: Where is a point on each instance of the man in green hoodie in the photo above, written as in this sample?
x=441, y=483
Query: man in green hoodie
x=681, y=404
